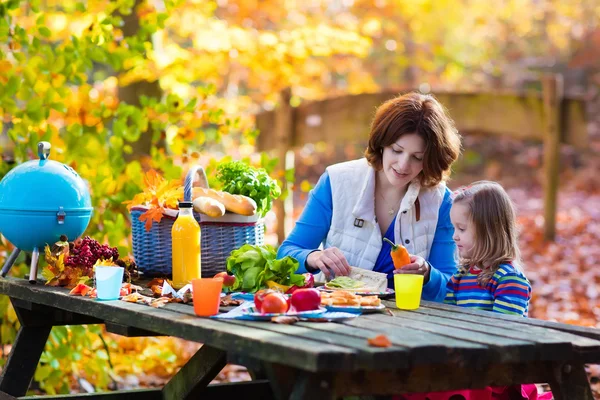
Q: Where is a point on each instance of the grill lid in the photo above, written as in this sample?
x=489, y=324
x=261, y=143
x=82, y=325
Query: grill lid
x=44, y=185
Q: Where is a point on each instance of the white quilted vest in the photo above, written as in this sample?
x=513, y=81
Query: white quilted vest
x=354, y=228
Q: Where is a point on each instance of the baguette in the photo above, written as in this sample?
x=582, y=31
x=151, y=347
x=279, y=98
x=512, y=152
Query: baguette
x=235, y=203
x=209, y=206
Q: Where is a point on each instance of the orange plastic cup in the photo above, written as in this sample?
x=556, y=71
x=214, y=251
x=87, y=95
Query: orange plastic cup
x=206, y=296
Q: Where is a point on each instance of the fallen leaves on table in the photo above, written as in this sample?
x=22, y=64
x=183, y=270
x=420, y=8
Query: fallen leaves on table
x=160, y=302
x=228, y=301
x=156, y=282
x=379, y=341
x=285, y=320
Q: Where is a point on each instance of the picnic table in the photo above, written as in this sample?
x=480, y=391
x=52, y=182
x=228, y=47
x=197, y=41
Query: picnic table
x=437, y=347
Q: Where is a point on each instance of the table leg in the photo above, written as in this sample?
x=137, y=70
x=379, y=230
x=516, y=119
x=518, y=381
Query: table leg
x=196, y=374
x=293, y=384
x=23, y=360
x=570, y=382
x=313, y=386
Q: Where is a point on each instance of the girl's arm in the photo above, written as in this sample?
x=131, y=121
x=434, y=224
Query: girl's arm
x=442, y=257
x=312, y=226
x=512, y=294
x=451, y=290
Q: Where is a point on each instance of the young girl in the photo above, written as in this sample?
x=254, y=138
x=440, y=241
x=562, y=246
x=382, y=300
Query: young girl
x=489, y=276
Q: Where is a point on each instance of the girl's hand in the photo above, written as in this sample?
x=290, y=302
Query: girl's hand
x=417, y=265
x=331, y=260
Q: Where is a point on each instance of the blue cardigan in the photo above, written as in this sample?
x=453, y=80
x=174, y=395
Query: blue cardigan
x=313, y=225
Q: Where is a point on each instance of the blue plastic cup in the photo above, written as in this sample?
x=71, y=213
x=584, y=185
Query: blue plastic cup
x=108, y=282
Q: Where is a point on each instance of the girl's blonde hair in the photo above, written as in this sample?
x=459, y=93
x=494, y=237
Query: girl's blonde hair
x=496, y=236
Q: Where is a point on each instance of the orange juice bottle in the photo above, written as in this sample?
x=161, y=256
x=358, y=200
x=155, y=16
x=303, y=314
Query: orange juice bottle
x=185, y=239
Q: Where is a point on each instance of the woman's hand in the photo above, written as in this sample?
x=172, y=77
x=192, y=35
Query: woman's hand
x=418, y=266
x=331, y=260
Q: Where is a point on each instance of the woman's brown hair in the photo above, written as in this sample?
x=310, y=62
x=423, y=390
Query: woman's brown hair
x=496, y=237
x=421, y=114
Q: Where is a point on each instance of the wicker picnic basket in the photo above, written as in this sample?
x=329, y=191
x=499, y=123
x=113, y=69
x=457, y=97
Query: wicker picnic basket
x=219, y=236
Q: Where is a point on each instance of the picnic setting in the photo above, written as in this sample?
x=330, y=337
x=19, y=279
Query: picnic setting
x=359, y=200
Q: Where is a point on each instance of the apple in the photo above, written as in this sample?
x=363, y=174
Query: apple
x=309, y=280
x=228, y=280
x=306, y=299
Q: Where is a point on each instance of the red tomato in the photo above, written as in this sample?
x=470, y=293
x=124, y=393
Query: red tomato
x=259, y=296
x=274, y=303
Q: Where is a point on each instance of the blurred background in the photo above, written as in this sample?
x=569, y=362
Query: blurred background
x=123, y=86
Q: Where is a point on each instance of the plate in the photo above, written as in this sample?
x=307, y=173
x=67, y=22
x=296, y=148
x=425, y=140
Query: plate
x=356, y=310
x=387, y=293
x=255, y=314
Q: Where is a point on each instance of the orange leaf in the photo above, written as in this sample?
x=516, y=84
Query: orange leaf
x=379, y=341
x=153, y=214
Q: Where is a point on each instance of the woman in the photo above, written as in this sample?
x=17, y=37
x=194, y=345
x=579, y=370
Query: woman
x=397, y=191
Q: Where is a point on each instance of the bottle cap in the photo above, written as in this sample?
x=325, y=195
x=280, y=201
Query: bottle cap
x=185, y=204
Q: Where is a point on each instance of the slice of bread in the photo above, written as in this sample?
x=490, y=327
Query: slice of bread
x=374, y=281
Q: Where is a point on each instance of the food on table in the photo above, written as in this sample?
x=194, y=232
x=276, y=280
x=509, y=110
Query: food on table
x=235, y=203
x=70, y=263
x=306, y=299
x=209, y=206
x=228, y=280
x=276, y=286
x=274, y=303
x=348, y=299
x=344, y=282
x=309, y=281
x=400, y=256
x=259, y=296
x=359, y=280
x=254, y=265
x=238, y=177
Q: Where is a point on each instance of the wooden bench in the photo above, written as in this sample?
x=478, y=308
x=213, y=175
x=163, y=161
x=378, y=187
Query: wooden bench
x=436, y=347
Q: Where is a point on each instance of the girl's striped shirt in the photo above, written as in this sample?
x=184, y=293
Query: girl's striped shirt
x=508, y=291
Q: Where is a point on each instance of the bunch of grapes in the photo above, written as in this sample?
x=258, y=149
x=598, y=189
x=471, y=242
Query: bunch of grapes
x=87, y=251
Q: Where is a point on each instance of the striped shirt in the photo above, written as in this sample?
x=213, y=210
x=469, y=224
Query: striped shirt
x=508, y=291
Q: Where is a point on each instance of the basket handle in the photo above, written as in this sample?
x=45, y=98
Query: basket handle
x=196, y=171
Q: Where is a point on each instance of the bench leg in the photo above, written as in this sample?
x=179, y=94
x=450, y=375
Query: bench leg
x=23, y=360
x=570, y=383
x=196, y=374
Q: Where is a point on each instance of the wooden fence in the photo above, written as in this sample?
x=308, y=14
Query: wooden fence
x=548, y=117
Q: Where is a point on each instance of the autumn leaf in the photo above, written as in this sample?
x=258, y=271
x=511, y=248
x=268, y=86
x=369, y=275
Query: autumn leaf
x=48, y=256
x=379, y=341
x=60, y=262
x=50, y=276
x=153, y=214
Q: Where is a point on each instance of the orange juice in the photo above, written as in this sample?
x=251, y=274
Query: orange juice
x=185, y=239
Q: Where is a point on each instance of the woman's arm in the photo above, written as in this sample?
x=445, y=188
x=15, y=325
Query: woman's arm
x=442, y=256
x=312, y=226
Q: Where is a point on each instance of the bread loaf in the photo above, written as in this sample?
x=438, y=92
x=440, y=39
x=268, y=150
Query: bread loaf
x=235, y=203
x=208, y=206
